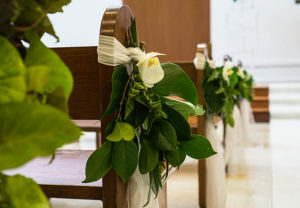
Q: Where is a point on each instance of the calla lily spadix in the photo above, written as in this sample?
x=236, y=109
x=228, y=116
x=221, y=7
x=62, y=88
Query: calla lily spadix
x=150, y=69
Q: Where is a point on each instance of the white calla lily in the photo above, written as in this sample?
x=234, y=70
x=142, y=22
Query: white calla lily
x=212, y=64
x=150, y=69
x=240, y=73
x=227, y=70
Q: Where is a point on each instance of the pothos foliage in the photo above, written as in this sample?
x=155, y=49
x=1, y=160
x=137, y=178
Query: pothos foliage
x=35, y=86
x=149, y=131
x=220, y=95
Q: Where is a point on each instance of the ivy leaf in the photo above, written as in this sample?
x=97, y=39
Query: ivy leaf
x=119, y=79
x=124, y=157
x=148, y=158
x=186, y=109
x=163, y=135
x=39, y=55
x=20, y=191
x=98, y=163
x=122, y=130
x=28, y=130
x=12, y=73
x=176, y=83
x=180, y=124
x=198, y=148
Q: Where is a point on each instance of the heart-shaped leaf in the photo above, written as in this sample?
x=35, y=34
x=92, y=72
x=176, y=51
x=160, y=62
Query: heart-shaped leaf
x=122, y=130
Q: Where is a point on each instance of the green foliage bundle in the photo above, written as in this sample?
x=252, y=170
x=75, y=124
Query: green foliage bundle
x=35, y=86
x=223, y=88
x=149, y=130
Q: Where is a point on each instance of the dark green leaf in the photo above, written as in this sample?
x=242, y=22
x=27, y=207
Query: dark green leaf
x=124, y=158
x=182, y=155
x=198, y=148
x=12, y=73
x=176, y=83
x=156, y=181
x=98, y=163
x=148, y=158
x=134, y=33
x=40, y=55
x=20, y=191
x=173, y=158
x=122, y=130
x=186, y=109
x=181, y=126
x=119, y=79
x=163, y=135
x=138, y=115
x=28, y=130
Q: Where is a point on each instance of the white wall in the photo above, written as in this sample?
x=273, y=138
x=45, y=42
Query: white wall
x=79, y=25
x=265, y=34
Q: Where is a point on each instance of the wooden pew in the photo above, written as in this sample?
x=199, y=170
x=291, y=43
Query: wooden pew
x=260, y=104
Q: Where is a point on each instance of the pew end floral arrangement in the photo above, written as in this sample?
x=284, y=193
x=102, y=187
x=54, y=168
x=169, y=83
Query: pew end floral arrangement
x=35, y=86
x=224, y=87
x=150, y=131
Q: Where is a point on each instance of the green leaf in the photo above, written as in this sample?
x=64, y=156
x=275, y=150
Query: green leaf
x=98, y=163
x=182, y=155
x=156, y=181
x=37, y=78
x=173, y=158
x=53, y=6
x=180, y=124
x=176, y=83
x=12, y=73
x=119, y=79
x=148, y=158
x=122, y=130
x=20, y=191
x=28, y=130
x=186, y=109
x=138, y=115
x=163, y=135
x=213, y=101
x=134, y=33
x=124, y=158
x=198, y=148
x=39, y=55
x=57, y=99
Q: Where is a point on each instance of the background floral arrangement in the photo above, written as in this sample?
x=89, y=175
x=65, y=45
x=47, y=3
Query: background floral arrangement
x=224, y=87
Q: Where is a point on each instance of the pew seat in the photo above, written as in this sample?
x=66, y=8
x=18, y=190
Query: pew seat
x=66, y=172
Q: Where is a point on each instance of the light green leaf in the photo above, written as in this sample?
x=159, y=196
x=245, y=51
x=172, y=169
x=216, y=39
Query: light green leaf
x=122, y=130
x=198, y=148
x=186, y=109
x=12, y=73
x=20, y=191
x=163, y=135
x=98, y=163
x=37, y=78
x=176, y=83
x=40, y=55
x=124, y=158
x=148, y=158
x=28, y=130
x=119, y=79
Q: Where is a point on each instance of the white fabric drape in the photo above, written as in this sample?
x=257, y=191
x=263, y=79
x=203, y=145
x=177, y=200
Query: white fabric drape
x=111, y=52
x=235, y=146
x=215, y=169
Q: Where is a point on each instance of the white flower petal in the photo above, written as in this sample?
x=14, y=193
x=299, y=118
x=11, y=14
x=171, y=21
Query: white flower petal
x=153, y=75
